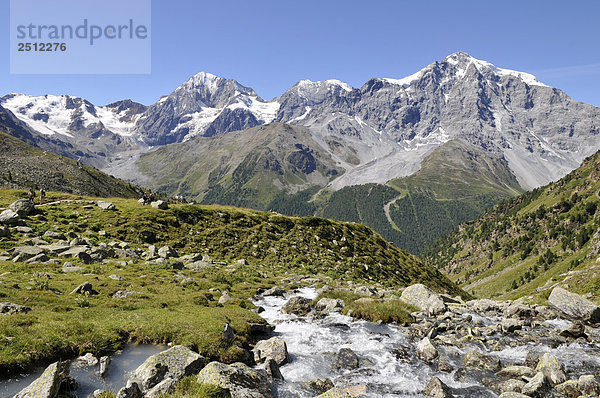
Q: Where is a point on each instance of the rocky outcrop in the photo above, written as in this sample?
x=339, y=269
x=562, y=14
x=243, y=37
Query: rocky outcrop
x=22, y=207
x=574, y=306
x=48, y=384
x=424, y=298
x=241, y=380
x=174, y=363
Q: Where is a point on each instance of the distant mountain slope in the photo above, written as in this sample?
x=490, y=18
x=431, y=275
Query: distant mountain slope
x=456, y=183
x=24, y=166
x=247, y=168
x=528, y=244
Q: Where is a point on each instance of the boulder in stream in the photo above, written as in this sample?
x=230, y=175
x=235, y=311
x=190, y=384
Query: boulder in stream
x=48, y=384
x=345, y=359
x=274, y=348
x=552, y=369
x=241, y=380
x=424, y=298
x=297, y=305
x=174, y=363
x=426, y=350
x=477, y=360
x=574, y=306
x=437, y=389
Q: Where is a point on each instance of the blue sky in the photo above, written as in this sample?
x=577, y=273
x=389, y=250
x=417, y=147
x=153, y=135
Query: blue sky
x=269, y=45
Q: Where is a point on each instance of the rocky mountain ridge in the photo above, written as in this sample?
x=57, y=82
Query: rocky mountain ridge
x=390, y=124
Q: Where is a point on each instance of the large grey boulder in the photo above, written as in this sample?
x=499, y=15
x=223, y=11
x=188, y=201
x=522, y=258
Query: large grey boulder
x=7, y=308
x=297, y=305
x=241, y=380
x=478, y=360
x=551, y=368
x=160, y=204
x=274, y=348
x=426, y=350
x=574, y=306
x=424, y=298
x=9, y=217
x=104, y=205
x=48, y=384
x=345, y=359
x=22, y=207
x=328, y=305
x=23, y=253
x=536, y=387
x=174, y=363
x=167, y=252
x=56, y=247
x=437, y=389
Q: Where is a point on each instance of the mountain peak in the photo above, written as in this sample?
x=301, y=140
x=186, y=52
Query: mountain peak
x=309, y=84
x=463, y=60
x=212, y=83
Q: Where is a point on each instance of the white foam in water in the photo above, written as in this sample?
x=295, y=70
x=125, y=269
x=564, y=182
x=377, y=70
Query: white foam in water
x=312, y=345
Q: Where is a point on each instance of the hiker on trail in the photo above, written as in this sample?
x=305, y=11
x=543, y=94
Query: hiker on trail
x=31, y=195
x=151, y=198
x=42, y=195
x=145, y=198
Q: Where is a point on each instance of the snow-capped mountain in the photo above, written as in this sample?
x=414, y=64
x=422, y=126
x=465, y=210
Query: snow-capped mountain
x=393, y=123
x=82, y=130
x=378, y=132
x=70, y=116
x=204, y=105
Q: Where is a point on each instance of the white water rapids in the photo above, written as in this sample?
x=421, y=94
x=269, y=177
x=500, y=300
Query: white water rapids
x=313, y=343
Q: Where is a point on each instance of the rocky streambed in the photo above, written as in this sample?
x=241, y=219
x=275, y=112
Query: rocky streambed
x=479, y=348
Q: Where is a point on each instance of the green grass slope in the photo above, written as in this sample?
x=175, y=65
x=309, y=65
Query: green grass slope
x=170, y=308
x=526, y=245
x=25, y=166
